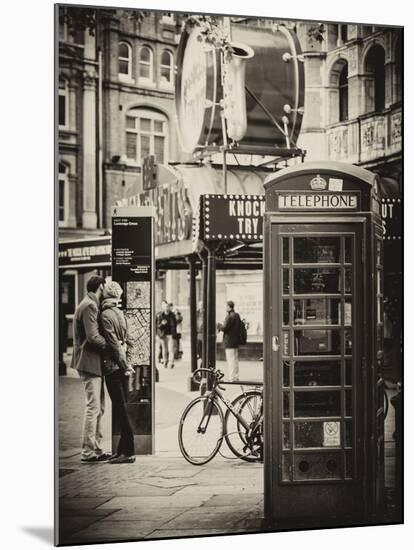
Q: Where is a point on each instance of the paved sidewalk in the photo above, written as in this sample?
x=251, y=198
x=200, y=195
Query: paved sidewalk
x=160, y=495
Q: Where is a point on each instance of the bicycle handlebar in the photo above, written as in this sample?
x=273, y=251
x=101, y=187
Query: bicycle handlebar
x=218, y=375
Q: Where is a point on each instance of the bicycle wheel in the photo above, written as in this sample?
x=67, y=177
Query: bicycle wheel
x=248, y=405
x=200, y=433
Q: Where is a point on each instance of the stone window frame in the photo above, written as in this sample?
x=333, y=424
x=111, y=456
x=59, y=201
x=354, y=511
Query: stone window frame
x=126, y=77
x=370, y=77
x=170, y=83
x=143, y=80
x=335, y=73
x=154, y=115
x=64, y=93
x=63, y=179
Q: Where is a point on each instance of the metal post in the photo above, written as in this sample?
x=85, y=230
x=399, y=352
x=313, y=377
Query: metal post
x=211, y=309
x=225, y=171
x=193, y=321
x=205, y=332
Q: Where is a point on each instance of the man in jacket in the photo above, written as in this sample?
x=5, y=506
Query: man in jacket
x=166, y=329
x=88, y=347
x=231, y=340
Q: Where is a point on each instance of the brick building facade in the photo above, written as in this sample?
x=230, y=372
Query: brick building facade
x=116, y=106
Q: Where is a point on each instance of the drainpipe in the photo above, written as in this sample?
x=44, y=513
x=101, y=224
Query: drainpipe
x=100, y=128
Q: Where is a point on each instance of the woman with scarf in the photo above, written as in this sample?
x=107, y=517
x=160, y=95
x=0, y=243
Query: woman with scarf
x=116, y=370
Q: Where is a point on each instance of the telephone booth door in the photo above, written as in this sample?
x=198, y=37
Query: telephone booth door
x=316, y=298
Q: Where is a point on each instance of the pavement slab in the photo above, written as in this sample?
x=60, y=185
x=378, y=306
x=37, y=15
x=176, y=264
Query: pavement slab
x=234, y=500
x=131, y=503
x=81, y=503
x=211, y=490
x=184, y=533
x=227, y=518
x=114, y=530
x=148, y=513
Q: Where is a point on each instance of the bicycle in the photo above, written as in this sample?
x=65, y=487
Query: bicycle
x=203, y=426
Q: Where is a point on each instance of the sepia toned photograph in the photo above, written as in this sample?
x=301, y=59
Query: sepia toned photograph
x=229, y=274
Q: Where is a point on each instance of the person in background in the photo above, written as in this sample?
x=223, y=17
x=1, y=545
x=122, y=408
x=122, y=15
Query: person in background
x=200, y=331
x=166, y=326
x=116, y=370
x=88, y=348
x=231, y=340
x=179, y=320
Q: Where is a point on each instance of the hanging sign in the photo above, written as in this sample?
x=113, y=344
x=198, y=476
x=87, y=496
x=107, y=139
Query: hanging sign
x=94, y=252
x=232, y=217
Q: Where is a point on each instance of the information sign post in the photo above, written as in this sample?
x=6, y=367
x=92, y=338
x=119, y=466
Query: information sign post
x=133, y=268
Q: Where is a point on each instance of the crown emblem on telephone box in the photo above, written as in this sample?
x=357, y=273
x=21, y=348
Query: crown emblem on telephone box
x=318, y=183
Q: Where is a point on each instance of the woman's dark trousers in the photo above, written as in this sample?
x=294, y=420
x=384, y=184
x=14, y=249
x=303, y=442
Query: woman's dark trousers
x=117, y=384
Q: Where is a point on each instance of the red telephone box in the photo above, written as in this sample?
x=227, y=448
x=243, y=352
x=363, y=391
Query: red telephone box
x=323, y=345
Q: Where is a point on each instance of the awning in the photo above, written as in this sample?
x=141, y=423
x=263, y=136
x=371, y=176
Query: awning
x=177, y=199
x=93, y=252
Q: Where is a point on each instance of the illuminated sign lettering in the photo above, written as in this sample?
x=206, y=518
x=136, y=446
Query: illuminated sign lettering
x=232, y=217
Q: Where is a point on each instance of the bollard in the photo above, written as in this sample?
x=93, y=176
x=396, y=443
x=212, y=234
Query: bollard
x=396, y=402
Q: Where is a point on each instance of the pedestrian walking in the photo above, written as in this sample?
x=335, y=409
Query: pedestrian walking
x=178, y=332
x=88, y=347
x=116, y=370
x=166, y=325
x=231, y=328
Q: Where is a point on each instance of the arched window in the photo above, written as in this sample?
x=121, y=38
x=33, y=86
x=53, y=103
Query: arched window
x=398, y=69
x=124, y=60
x=343, y=93
x=146, y=134
x=63, y=194
x=375, y=84
x=338, y=80
x=166, y=68
x=145, y=71
x=63, y=103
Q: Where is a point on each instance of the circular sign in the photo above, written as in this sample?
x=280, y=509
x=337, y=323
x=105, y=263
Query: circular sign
x=274, y=88
x=195, y=89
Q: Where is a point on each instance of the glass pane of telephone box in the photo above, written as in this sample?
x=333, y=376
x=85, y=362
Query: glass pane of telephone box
x=317, y=342
x=348, y=372
x=348, y=250
x=348, y=433
x=315, y=434
x=317, y=373
x=317, y=465
x=348, y=342
x=348, y=281
x=348, y=403
x=286, y=403
x=286, y=374
x=316, y=250
x=286, y=435
x=317, y=280
x=285, y=250
x=286, y=315
x=286, y=285
x=317, y=403
x=317, y=311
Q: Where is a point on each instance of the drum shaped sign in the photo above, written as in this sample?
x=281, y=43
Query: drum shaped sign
x=274, y=84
